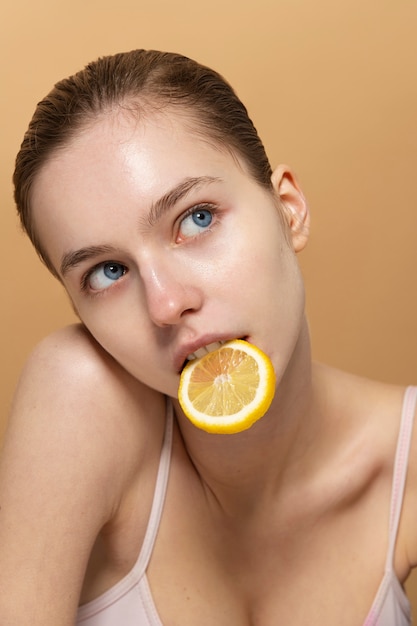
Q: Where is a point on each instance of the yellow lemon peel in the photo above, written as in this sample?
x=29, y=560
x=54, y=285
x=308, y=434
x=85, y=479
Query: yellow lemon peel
x=228, y=390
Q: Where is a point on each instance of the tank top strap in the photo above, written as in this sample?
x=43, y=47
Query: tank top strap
x=400, y=469
x=159, y=495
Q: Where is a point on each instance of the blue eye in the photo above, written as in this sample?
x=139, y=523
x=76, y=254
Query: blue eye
x=196, y=222
x=105, y=275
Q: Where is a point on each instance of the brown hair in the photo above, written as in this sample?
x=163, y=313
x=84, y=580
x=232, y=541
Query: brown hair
x=138, y=78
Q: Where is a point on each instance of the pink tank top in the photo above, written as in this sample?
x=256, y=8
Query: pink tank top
x=130, y=602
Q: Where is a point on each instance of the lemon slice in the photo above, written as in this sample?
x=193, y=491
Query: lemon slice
x=228, y=390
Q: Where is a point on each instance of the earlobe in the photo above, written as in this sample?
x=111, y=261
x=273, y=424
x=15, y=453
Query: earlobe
x=294, y=205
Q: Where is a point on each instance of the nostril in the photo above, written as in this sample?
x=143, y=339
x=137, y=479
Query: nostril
x=170, y=294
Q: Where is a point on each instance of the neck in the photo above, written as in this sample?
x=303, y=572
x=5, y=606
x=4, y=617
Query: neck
x=239, y=468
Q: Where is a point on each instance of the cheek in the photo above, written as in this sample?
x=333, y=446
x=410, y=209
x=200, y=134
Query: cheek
x=110, y=319
x=249, y=262
x=130, y=344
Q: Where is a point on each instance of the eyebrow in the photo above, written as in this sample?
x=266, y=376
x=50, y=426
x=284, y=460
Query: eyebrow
x=71, y=259
x=75, y=257
x=168, y=200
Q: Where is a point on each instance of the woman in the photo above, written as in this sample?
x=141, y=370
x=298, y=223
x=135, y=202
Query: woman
x=147, y=192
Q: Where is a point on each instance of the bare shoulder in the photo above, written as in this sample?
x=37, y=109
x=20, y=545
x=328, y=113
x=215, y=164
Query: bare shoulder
x=371, y=404
x=72, y=390
x=386, y=405
x=361, y=421
x=80, y=430
x=70, y=355
x=372, y=412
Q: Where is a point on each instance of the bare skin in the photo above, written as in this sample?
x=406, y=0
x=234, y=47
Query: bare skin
x=296, y=507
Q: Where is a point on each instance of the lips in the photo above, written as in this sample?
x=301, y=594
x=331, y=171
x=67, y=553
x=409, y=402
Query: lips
x=205, y=350
x=200, y=349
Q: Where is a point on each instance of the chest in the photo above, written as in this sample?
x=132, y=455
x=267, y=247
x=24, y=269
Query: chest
x=323, y=569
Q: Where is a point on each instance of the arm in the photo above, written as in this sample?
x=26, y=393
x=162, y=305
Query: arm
x=61, y=479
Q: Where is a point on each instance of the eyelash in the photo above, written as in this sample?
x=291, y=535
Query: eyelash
x=204, y=206
x=85, y=278
x=195, y=208
x=85, y=288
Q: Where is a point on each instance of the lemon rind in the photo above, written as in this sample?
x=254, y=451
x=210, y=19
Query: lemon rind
x=235, y=423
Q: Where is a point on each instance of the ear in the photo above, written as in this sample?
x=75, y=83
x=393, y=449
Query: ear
x=294, y=205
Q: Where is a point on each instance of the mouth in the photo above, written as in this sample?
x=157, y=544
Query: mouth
x=211, y=347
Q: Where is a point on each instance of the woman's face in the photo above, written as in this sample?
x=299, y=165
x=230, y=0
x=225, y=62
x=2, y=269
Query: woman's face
x=165, y=244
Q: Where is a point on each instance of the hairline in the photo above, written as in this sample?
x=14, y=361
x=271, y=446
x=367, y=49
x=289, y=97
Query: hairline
x=143, y=107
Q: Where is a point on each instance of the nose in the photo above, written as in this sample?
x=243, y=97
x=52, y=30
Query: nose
x=170, y=293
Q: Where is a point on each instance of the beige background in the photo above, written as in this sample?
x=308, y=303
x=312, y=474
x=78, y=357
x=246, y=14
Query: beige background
x=332, y=87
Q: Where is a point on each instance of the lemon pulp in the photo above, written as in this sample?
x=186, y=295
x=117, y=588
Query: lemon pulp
x=227, y=390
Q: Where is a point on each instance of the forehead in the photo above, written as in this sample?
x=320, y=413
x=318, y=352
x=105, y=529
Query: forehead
x=122, y=142
x=117, y=163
